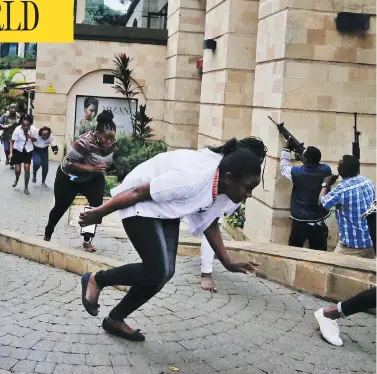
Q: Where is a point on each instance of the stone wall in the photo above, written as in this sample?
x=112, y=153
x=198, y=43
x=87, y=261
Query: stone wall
x=64, y=65
x=183, y=85
x=280, y=58
x=312, y=78
x=228, y=72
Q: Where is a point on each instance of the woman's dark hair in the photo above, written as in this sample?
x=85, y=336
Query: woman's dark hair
x=105, y=121
x=26, y=117
x=239, y=163
x=251, y=143
x=44, y=128
x=241, y=151
x=91, y=101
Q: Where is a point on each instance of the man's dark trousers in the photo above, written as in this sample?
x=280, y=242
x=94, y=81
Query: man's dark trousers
x=316, y=234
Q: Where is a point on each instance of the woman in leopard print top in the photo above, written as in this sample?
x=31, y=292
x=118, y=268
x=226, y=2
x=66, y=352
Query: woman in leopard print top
x=82, y=171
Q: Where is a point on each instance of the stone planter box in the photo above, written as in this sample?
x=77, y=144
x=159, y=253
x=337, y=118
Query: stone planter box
x=327, y=275
x=30, y=64
x=235, y=232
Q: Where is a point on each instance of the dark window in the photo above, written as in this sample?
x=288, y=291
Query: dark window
x=134, y=24
x=158, y=20
x=108, y=79
x=164, y=16
x=30, y=49
x=9, y=49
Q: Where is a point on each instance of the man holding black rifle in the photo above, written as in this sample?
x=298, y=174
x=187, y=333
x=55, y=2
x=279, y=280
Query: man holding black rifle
x=352, y=198
x=308, y=218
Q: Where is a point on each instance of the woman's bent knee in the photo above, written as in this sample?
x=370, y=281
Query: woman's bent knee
x=161, y=276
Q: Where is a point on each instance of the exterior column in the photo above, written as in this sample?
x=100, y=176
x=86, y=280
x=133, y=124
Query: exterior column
x=313, y=78
x=183, y=81
x=228, y=72
x=80, y=11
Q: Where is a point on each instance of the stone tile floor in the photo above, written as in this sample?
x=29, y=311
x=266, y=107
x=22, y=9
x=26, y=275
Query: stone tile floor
x=250, y=326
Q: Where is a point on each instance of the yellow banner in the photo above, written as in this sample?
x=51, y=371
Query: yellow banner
x=36, y=21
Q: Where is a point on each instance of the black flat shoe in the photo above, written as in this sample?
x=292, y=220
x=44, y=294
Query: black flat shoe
x=91, y=308
x=135, y=336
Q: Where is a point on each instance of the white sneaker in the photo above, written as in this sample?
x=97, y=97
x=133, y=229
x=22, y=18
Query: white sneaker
x=329, y=328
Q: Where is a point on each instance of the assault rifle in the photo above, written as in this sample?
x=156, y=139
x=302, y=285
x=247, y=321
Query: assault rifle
x=355, y=144
x=297, y=147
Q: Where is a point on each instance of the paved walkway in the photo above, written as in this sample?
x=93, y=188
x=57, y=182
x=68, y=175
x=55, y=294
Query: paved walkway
x=250, y=326
x=28, y=214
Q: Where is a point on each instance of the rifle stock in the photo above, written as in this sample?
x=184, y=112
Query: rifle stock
x=297, y=146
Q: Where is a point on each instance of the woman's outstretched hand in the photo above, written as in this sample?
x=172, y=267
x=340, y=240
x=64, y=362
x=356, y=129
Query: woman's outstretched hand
x=243, y=267
x=99, y=168
x=90, y=217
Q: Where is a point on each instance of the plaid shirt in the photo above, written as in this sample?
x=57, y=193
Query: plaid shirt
x=352, y=198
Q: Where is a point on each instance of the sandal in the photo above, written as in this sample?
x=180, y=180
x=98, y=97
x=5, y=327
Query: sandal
x=135, y=336
x=88, y=247
x=91, y=308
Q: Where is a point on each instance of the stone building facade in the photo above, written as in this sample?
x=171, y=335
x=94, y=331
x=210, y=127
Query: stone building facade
x=283, y=58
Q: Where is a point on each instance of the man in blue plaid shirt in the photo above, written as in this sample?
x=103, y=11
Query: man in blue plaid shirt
x=351, y=198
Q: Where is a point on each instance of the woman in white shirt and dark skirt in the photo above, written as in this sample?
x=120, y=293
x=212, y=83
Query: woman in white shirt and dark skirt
x=40, y=153
x=21, y=148
x=152, y=199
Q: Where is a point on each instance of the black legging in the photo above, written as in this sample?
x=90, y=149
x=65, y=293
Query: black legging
x=156, y=241
x=361, y=302
x=65, y=192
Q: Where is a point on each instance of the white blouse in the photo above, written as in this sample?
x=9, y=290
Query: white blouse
x=20, y=140
x=181, y=186
x=43, y=143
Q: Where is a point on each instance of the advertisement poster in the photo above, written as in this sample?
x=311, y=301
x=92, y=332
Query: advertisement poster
x=88, y=107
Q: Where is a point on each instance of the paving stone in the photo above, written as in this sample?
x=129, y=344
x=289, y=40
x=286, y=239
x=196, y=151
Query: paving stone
x=45, y=367
x=5, y=351
x=25, y=366
x=6, y=363
x=37, y=355
x=20, y=353
x=57, y=357
x=120, y=360
x=97, y=360
x=103, y=370
x=64, y=369
x=45, y=345
x=74, y=359
x=63, y=347
x=80, y=348
x=83, y=369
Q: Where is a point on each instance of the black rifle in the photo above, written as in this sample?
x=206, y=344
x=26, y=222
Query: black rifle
x=355, y=144
x=297, y=147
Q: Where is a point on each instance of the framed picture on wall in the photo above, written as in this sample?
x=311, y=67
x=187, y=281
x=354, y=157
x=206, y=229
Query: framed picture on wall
x=88, y=107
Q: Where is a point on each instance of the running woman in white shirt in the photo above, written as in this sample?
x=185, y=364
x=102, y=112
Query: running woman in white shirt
x=152, y=199
x=207, y=254
x=40, y=153
x=21, y=149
